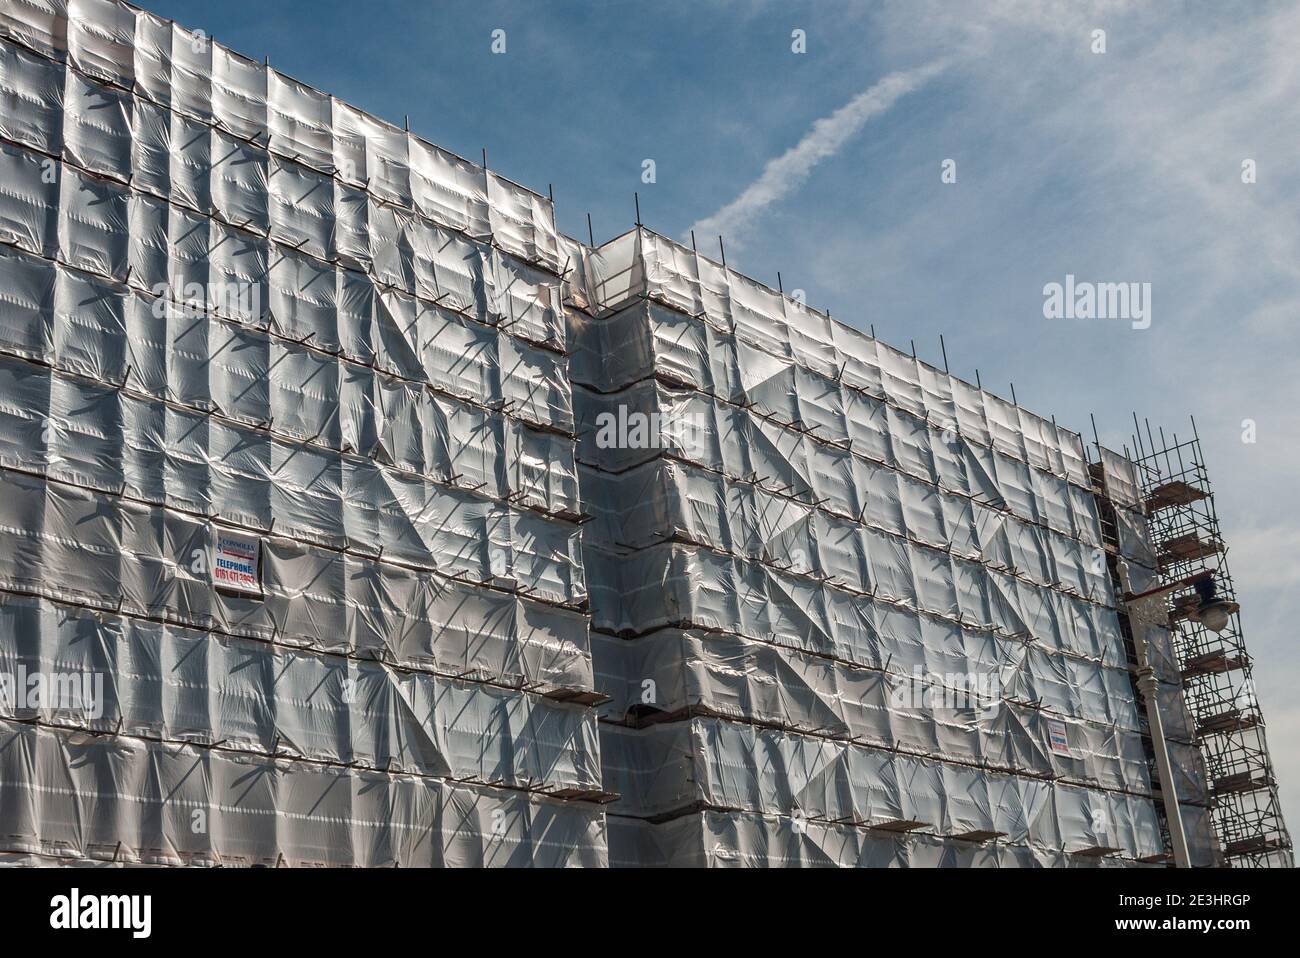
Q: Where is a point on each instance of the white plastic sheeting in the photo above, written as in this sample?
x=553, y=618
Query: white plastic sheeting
x=678, y=583
x=146, y=554
x=126, y=56
x=800, y=367
x=832, y=428
x=175, y=684
x=1000, y=722
x=1202, y=839
x=136, y=249
x=1123, y=487
x=837, y=524
x=231, y=303
x=89, y=433
x=714, y=839
x=729, y=765
x=75, y=797
x=1016, y=589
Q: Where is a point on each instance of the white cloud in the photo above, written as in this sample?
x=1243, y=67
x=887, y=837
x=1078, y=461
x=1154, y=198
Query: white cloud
x=825, y=138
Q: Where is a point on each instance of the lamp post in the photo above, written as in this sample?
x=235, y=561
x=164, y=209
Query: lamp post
x=1146, y=609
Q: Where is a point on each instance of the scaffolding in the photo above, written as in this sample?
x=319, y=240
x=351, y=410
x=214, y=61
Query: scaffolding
x=253, y=336
x=551, y=554
x=1215, y=667
x=824, y=536
x=1148, y=652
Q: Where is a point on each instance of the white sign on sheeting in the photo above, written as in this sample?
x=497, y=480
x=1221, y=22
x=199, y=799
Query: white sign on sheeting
x=237, y=562
x=1056, y=737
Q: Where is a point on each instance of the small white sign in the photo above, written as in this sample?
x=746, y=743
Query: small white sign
x=1056, y=737
x=236, y=562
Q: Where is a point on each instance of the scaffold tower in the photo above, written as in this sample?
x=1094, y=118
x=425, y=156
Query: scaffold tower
x=1215, y=665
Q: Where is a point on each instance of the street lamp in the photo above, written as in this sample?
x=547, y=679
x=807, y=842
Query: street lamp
x=1212, y=611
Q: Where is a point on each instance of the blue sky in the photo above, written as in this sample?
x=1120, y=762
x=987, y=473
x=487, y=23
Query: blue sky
x=1116, y=166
